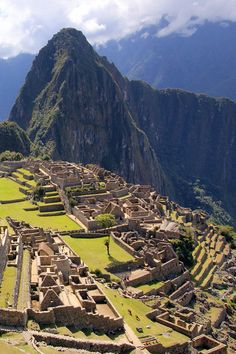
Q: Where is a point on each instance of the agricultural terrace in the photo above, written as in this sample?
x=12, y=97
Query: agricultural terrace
x=9, y=190
x=93, y=252
x=18, y=210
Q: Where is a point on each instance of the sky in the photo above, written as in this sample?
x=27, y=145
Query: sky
x=27, y=25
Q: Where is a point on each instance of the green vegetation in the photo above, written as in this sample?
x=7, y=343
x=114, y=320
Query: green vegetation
x=7, y=286
x=93, y=252
x=11, y=156
x=13, y=139
x=16, y=211
x=155, y=284
x=165, y=335
x=9, y=190
x=88, y=188
x=14, y=343
x=212, y=206
x=105, y=220
x=230, y=235
x=9, y=348
x=184, y=247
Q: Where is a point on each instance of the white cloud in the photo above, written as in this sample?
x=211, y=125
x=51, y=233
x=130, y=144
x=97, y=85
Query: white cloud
x=26, y=25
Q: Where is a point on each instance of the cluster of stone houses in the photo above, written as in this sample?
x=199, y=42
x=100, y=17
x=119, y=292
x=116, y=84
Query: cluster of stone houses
x=61, y=288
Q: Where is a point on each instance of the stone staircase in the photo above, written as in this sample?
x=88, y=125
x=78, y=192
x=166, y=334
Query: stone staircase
x=210, y=254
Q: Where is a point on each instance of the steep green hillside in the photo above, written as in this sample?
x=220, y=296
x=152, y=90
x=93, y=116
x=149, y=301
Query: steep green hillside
x=13, y=138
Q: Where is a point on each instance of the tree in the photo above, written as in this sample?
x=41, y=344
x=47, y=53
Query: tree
x=105, y=220
x=184, y=246
x=107, y=244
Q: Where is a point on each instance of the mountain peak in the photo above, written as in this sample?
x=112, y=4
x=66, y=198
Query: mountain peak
x=69, y=35
x=73, y=103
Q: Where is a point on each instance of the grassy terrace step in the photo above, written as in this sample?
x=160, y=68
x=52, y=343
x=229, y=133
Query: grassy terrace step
x=24, y=172
x=28, y=182
x=52, y=213
x=150, y=286
x=196, y=251
x=220, y=258
x=51, y=194
x=48, y=207
x=52, y=199
x=9, y=190
x=25, y=190
x=207, y=266
x=49, y=188
x=206, y=282
x=16, y=210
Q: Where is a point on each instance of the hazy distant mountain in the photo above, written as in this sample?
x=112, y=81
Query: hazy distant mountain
x=204, y=62
x=12, y=75
x=77, y=105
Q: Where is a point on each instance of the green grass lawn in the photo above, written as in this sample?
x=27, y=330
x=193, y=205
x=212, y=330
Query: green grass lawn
x=24, y=171
x=24, y=280
x=93, y=252
x=149, y=286
x=9, y=348
x=9, y=190
x=8, y=285
x=165, y=335
x=15, y=344
x=16, y=211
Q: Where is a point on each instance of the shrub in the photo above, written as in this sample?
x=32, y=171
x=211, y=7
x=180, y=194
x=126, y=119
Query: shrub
x=38, y=193
x=184, y=247
x=11, y=156
x=230, y=235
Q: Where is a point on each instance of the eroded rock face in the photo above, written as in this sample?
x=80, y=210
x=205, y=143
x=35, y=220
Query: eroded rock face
x=78, y=105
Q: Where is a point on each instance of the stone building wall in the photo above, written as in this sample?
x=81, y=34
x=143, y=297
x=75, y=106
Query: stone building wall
x=3, y=252
x=123, y=244
x=10, y=317
x=18, y=275
x=83, y=344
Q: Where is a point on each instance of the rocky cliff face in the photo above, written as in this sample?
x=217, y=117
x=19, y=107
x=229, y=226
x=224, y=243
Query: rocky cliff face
x=79, y=106
x=73, y=102
x=194, y=137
